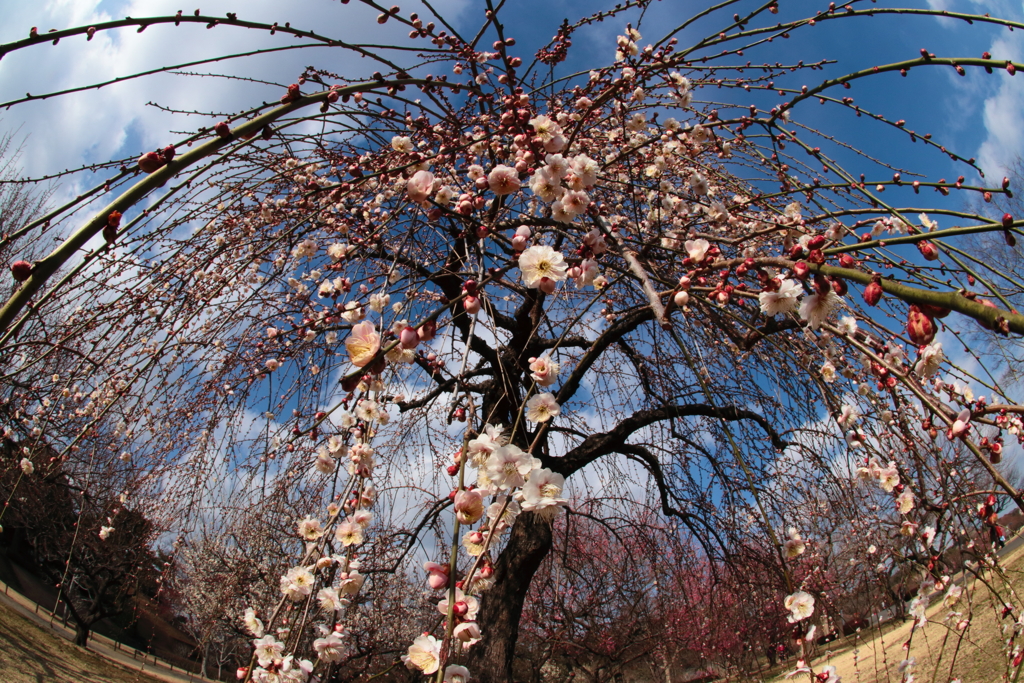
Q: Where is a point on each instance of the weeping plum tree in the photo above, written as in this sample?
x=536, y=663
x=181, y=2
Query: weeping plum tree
x=430, y=307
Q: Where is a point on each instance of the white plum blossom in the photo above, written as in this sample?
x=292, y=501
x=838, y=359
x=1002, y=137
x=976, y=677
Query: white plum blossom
x=362, y=344
x=696, y=249
x=542, y=407
x=297, y=583
x=816, y=308
x=828, y=372
x=420, y=186
x=462, y=602
x=26, y=466
x=508, y=466
x=540, y=262
x=929, y=360
x=305, y=248
x=424, y=654
x=453, y=673
x=467, y=633
x=329, y=599
x=794, y=546
x=543, y=493
x=330, y=648
x=252, y=624
x=503, y=180
x=889, y=478
x=401, y=143
x=485, y=443
x=800, y=606
x=349, y=533
x=268, y=648
x=783, y=300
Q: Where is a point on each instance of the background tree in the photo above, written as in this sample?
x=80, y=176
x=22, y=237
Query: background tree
x=82, y=540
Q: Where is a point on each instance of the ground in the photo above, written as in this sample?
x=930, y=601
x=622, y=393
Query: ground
x=941, y=651
x=30, y=654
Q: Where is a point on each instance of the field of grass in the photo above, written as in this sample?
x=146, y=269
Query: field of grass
x=941, y=651
x=30, y=654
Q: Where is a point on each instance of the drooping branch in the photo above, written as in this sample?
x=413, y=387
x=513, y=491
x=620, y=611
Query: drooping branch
x=605, y=443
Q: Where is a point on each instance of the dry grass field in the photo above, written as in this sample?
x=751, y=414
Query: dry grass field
x=30, y=654
x=941, y=651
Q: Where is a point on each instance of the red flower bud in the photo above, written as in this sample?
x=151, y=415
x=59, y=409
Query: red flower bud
x=933, y=311
x=350, y=383
x=873, y=293
x=167, y=152
x=821, y=284
x=816, y=256
x=1007, y=221
x=847, y=261
x=816, y=242
x=223, y=129
x=427, y=330
x=839, y=286
x=409, y=338
x=150, y=162
x=928, y=250
x=801, y=270
x=920, y=328
x=21, y=270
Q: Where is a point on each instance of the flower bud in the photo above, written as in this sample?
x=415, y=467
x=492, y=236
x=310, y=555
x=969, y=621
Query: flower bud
x=873, y=293
x=928, y=250
x=469, y=506
x=801, y=270
x=150, y=162
x=21, y=270
x=920, y=328
x=409, y=338
x=427, y=330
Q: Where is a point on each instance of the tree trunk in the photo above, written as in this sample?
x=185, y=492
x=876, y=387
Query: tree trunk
x=490, y=660
x=81, y=634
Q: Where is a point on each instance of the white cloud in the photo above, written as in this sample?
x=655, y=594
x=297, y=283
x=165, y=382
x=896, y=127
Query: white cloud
x=98, y=125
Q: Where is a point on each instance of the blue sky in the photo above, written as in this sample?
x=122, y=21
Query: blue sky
x=976, y=115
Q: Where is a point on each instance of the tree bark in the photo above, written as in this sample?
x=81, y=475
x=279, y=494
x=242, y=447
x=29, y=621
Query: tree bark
x=490, y=660
x=81, y=634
